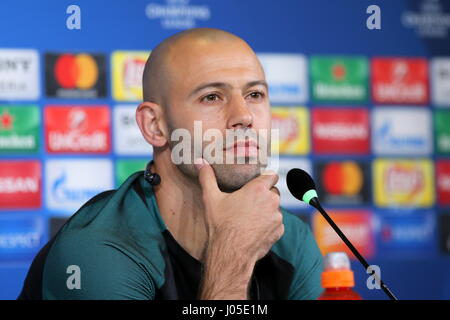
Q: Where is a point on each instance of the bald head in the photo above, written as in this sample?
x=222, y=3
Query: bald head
x=205, y=77
x=170, y=55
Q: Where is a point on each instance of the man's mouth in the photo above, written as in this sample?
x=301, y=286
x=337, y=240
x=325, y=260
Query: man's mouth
x=248, y=148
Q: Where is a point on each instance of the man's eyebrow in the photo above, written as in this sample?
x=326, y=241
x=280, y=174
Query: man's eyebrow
x=256, y=83
x=226, y=85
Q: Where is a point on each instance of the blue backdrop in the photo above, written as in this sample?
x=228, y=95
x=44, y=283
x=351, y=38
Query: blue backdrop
x=319, y=27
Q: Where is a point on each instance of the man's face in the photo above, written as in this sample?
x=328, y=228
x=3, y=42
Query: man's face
x=222, y=85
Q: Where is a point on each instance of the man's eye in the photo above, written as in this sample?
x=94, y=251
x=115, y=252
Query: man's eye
x=210, y=98
x=256, y=95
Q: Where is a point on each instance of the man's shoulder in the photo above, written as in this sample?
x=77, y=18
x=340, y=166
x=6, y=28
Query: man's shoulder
x=293, y=224
x=298, y=247
x=121, y=220
x=115, y=233
x=121, y=212
x=297, y=239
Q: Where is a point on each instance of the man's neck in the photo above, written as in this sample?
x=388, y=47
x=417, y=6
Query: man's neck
x=180, y=205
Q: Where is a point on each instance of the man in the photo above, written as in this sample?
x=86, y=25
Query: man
x=208, y=230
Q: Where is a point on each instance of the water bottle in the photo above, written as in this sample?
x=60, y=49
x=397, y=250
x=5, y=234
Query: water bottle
x=337, y=278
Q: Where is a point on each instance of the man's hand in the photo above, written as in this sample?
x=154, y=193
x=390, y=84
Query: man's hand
x=242, y=227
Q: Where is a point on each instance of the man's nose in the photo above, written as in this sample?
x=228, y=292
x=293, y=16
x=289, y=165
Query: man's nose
x=239, y=114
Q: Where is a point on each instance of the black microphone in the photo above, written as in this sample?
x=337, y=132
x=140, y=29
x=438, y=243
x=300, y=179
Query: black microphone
x=302, y=187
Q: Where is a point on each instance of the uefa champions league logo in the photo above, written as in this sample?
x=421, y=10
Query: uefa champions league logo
x=177, y=14
x=430, y=21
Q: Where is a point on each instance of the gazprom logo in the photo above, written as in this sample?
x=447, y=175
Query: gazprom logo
x=65, y=193
x=21, y=237
x=385, y=135
x=71, y=183
x=402, y=131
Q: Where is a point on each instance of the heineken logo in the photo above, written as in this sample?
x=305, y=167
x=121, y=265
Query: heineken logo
x=442, y=131
x=19, y=129
x=444, y=142
x=339, y=72
x=334, y=92
x=6, y=120
x=339, y=78
x=17, y=142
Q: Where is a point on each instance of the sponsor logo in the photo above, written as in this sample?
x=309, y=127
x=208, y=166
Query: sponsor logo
x=20, y=184
x=21, y=237
x=19, y=128
x=402, y=131
x=75, y=76
x=403, y=183
x=443, y=181
x=293, y=126
x=429, y=20
x=128, y=139
x=342, y=182
x=442, y=131
x=286, y=198
x=355, y=224
x=19, y=74
x=440, y=81
x=127, y=70
x=69, y=183
x=287, y=77
x=177, y=14
x=340, y=130
x=409, y=233
x=444, y=232
x=339, y=78
x=400, y=80
x=77, y=129
x=125, y=168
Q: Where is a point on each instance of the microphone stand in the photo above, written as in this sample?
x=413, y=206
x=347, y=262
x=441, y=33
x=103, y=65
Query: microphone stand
x=315, y=203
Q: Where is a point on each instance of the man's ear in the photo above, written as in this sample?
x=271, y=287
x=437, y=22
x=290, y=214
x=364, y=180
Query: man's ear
x=149, y=117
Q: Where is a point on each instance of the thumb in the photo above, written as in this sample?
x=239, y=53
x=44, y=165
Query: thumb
x=206, y=176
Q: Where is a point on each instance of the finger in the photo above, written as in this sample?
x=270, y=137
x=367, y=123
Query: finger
x=206, y=176
x=268, y=179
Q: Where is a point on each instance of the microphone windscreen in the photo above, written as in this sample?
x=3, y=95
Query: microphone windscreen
x=299, y=182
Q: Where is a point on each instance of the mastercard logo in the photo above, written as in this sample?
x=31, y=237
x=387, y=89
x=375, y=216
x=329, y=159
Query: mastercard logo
x=76, y=71
x=342, y=178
